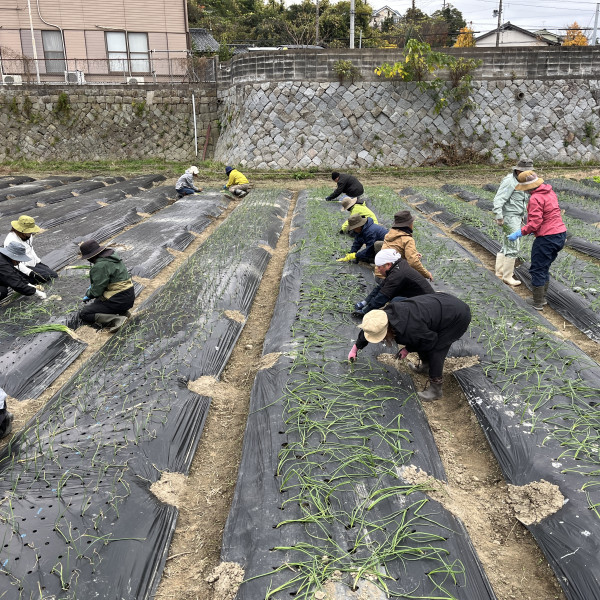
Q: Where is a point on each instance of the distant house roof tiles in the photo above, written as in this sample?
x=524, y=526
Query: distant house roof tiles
x=203, y=41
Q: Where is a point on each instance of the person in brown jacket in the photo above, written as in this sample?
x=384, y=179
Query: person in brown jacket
x=400, y=239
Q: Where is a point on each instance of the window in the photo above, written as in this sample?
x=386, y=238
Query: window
x=127, y=52
x=54, y=52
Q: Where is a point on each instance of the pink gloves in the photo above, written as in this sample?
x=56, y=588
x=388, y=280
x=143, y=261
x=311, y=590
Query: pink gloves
x=402, y=354
x=353, y=353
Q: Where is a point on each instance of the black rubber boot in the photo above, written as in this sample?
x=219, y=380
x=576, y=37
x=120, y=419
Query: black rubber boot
x=544, y=301
x=422, y=367
x=6, y=427
x=537, y=301
x=433, y=391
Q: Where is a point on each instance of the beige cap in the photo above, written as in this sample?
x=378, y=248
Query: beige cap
x=347, y=203
x=375, y=325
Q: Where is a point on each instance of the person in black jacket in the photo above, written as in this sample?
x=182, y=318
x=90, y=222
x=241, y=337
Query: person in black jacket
x=10, y=277
x=400, y=281
x=347, y=185
x=426, y=324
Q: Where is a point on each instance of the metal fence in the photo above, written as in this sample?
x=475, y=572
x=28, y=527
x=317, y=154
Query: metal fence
x=74, y=71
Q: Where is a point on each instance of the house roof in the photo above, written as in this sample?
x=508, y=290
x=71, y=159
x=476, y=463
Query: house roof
x=377, y=11
x=508, y=26
x=203, y=41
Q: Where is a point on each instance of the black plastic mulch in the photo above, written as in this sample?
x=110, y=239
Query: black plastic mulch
x=583, y=246
x=468, y=196
x=582, y=214
x=10, y=180
x=79, y=520
x=28, y=189
x=320, y=495
x=536, y=397
x=144, y=248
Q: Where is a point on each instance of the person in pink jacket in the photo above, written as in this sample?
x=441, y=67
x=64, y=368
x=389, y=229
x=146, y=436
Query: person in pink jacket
x=545, y=222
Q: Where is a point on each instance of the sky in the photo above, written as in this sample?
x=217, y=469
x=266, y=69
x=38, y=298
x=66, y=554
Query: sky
x=532, y=15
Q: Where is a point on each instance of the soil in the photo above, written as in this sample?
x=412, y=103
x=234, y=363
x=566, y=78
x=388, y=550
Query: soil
x=169, y=488
x=535, y=501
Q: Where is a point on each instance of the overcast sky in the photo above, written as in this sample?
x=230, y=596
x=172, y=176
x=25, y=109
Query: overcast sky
x=553, y=15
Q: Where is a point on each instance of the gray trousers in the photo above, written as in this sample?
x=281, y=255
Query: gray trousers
x=511, y=249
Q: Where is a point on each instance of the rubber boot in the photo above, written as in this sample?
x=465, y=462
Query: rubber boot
x=500, y=265
x=422, y=367
x=509, y=267
x=544, y=301
x=7, y=425
x=433, y=391
x=113, y=322
x=537, y=301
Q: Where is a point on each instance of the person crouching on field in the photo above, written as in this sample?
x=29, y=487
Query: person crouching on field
x=427, y=324
x=237, y=183
x=400, y=281
x=185, y=184
x=545, y=222
x=366, y=234
x=355, y=208
x=111, y=289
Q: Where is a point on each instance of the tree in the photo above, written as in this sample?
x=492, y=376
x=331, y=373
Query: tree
x=454, y=18
x=465, y=39
x=575, y=37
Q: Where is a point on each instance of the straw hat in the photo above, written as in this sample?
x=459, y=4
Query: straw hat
x=356, y=221
x=375, y=325
x=524, y=164
x=15, y=251
x=403, y=219
x=25, y=224
x=528, y=180
x=90, y=248
x=347, y=203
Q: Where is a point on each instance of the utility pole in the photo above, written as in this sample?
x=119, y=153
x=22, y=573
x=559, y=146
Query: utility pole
x=352, y=12
x=35, y=56
x=317, y=26
x=595, y=25
x=499, y=11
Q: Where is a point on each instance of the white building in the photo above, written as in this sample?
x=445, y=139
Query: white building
x=511, y=35
x=381, y=14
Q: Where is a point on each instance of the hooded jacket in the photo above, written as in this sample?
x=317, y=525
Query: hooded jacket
x=349, y=185
x=404, y=243
x=370, y=234
x=186, y=180
x=363, y=211
x=108, y=276
x=509, y=201
x=236, y=178
x=12, y=278
x=543, y=213
x=34, y=259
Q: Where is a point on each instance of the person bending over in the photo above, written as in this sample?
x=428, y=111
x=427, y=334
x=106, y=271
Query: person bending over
x=237, y=183
x=10, y=276
x=366, y=233
x=355, y=208
x=185, y=184
x=347, y=186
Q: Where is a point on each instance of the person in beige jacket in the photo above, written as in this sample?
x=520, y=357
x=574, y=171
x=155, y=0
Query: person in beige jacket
x=400, y=238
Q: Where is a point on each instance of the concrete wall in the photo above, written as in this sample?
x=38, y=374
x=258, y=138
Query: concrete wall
x=105, y=123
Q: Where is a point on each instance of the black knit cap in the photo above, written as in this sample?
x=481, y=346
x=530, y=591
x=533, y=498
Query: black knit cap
x=335, y=175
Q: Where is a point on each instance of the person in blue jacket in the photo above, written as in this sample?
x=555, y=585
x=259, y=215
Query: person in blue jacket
x=366, y=233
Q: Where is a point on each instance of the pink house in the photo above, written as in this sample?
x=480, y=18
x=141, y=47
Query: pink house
x=78, y=41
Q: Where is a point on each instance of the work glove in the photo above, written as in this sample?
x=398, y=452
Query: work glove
x=225, y=187
x=500, y=222
x=328, y=198
x=353, y=353
x=341, y=232
x=401, y=354
x=515, y=236
x=358, y=314
x=347, y=258
x=360, y=305
x=40, y=294
x=86, y=299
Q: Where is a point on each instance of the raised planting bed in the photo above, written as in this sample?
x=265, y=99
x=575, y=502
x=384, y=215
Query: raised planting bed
x=536, y=397
x=11, y=180
x=79, y=519
x=321, y=502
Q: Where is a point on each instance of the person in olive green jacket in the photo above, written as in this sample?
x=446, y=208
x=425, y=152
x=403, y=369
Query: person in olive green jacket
x=111, y=288
x=356, y=208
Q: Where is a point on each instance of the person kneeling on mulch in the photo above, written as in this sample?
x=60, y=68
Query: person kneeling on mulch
x=111, y=288
x=427, y=324
x=354, y=207
x=6, y=418
x=366, y=233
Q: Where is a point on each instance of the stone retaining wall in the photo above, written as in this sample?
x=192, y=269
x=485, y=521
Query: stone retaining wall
x=100, y=123
x=325, y=125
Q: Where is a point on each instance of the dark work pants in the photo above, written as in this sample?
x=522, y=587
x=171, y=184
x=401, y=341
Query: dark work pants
x=118, y=304
x=544, y=251
x=3, y=292
x=185, y=191
x=41, y=273
x=437, y=356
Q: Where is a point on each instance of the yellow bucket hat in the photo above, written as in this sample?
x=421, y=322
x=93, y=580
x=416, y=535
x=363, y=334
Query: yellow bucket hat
x=25, y=224
x=375, y=325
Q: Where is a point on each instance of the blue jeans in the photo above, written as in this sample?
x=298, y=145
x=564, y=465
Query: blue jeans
x=544, y=251
x=185, y=191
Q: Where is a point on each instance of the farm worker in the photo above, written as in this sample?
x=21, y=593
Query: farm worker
x=347, y=185
x=237, y=183
x=366, y=233
x=427, y=324
x=545, y=222
x=510, y=205
x=354, y=208
x=111, y=288
x=400, y=239
x=185, y=184
x=34, y=269
x=6, y=418
x=10, y=277
x=400, y=281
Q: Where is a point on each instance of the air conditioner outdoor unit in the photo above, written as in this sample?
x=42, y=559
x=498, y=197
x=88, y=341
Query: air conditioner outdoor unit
x=77, y=77
x=135, y=80
x=12, y=79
